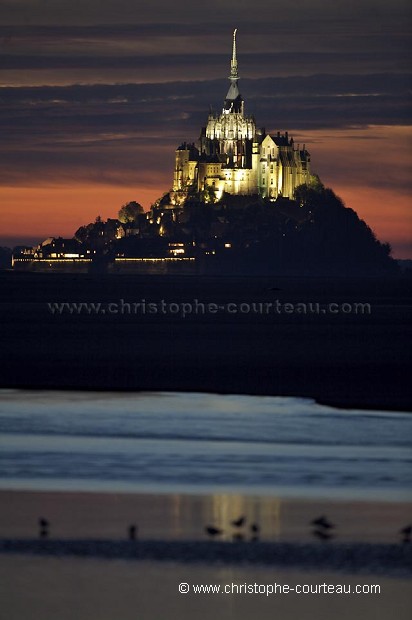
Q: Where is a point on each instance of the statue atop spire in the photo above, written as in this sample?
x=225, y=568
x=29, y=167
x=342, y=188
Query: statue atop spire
x=233, y=65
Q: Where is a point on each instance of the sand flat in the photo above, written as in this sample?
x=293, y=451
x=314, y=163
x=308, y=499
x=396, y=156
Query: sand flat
x=68, y=587
x=85, y=589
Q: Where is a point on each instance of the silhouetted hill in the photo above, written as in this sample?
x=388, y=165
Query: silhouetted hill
x=315, y=233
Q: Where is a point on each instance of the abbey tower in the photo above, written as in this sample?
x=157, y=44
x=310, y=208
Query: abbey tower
x=233, y=156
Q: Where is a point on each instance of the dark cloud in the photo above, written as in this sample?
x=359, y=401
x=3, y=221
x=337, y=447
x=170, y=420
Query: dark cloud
x=270, y=31
x=188, y=12
x=251, y=63
x=315, y=85
x=294, y=42
x=180, y=108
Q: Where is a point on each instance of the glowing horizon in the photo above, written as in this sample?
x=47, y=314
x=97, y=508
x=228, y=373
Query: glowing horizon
x=66, y=206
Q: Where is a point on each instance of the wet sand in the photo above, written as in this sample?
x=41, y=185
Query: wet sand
x=347, y=360
x=85, y=589
x=71, y=576
x=182, y=517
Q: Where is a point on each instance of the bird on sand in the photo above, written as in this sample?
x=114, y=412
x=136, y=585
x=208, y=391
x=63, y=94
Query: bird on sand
x=132, y=531
x=213, y=531
x=255, y=529
x=406, y=533
x=239, y=522
x=44, y=528
x=322, y=522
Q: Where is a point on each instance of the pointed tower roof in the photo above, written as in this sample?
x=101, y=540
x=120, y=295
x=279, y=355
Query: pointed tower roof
x=233, y=64
x=233, y=99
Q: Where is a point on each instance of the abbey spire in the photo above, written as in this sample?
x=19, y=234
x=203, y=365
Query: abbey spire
x=233, y=65
x=233, y=101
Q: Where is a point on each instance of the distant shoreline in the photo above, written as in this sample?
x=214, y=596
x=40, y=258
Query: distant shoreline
x=367, y=404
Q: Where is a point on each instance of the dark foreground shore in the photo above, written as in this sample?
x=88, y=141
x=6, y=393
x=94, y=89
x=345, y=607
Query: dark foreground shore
x=369, y=559
x=349, y=358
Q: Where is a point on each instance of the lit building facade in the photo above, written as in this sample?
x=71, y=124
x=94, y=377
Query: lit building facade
x=233, y=156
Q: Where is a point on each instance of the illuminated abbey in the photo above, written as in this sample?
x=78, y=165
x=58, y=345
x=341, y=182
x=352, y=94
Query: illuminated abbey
x=232, y=155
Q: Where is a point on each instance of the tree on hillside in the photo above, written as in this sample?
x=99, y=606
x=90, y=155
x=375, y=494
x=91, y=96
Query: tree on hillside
x=98, y=233
x=130, y=212
x=89, y=231
x=208, y=194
